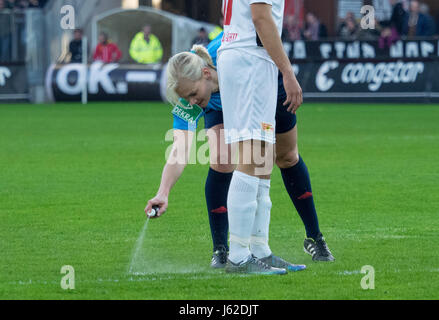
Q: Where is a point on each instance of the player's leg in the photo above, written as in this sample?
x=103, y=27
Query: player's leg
x=249, y=247
x=298, y=185
x=259, y=236
x=249, y=108
x=296, y=179
x=243, y=200
x=217, y=186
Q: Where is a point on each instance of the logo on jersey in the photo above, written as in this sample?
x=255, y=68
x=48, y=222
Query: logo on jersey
x=267, y=128
x=187, y=112
x=229, y=37
x=185, y=104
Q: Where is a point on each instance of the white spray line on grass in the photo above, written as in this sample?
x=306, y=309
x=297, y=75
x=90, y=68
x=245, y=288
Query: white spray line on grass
x=137, y=278
x=366, y=237
x=179, y=271
x=348, y=273
x=197, y=276
x=138, y=245
x=137, y=265
x=353, y=272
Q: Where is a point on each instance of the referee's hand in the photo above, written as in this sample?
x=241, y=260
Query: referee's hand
x=293, y=91
x=160, y=201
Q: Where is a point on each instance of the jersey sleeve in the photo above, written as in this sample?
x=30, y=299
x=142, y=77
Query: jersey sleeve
x=213, y=47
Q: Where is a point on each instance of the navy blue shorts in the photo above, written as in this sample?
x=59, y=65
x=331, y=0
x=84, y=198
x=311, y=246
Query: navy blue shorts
x=212, y=118
x=285, y=121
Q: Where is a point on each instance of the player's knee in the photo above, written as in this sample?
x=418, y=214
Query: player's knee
x=221, y=161
x=287, y=160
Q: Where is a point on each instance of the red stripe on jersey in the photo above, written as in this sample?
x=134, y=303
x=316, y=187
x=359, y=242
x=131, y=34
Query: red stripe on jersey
x=228, y=16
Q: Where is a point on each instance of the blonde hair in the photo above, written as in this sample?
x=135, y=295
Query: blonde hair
x=186, y=66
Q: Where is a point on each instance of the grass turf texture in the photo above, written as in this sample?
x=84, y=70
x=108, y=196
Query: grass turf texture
x=74, y=181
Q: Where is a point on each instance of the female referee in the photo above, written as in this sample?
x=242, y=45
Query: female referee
x=201, y=87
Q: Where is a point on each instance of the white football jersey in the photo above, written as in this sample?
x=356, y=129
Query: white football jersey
x=239, y=30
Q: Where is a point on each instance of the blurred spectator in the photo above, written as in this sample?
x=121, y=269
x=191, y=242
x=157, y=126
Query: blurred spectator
x=9, y=4
x=389, y=35
x=145, y=47
x=405, y=5
x=215, y=32
x=34, y=4
x=292, y=30
x=75, y=47
x=399, y=15
x=5, y=34
x=314, y=30
x=370, y=34
x=350, y=30
x=416, y=23
x=437, y=25
x=425, y=10
x=218, y=29
x=106, y=51
x=12, y=28
x=202, y=38
x=342, y=23
x=22, y=4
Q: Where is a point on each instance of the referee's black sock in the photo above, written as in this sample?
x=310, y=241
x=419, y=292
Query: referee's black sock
x=216, y=190
x=298, y=185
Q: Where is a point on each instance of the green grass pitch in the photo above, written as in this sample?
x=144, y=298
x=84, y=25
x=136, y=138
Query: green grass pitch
x=74, y=181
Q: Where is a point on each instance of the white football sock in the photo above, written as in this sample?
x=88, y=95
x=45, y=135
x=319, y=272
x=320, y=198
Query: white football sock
x=241, y=206
x=259, y=240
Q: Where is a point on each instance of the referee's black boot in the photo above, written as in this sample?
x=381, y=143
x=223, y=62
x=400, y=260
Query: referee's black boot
x=318, y=249
x=219, y=258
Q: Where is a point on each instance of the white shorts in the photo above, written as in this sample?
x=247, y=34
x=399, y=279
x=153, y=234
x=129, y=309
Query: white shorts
x=248, y=87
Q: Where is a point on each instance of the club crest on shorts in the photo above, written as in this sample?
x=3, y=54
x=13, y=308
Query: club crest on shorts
x=267, y=128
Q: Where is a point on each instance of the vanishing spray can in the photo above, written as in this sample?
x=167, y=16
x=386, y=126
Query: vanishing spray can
x=154, y=211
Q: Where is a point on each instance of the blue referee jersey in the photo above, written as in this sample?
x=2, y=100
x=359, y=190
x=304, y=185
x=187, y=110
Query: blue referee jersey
x=215, y=99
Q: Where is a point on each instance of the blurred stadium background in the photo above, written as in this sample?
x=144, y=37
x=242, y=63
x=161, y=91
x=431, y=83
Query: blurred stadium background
x=334, y=57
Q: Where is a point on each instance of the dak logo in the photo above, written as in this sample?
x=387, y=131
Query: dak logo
x=98, y=76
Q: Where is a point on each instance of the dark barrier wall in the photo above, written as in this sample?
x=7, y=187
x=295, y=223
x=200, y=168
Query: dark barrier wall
x=13, y=82
x=327, y=71
x=105, y=82
x=377, y=81
x=362, y=70
x=367, y=50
